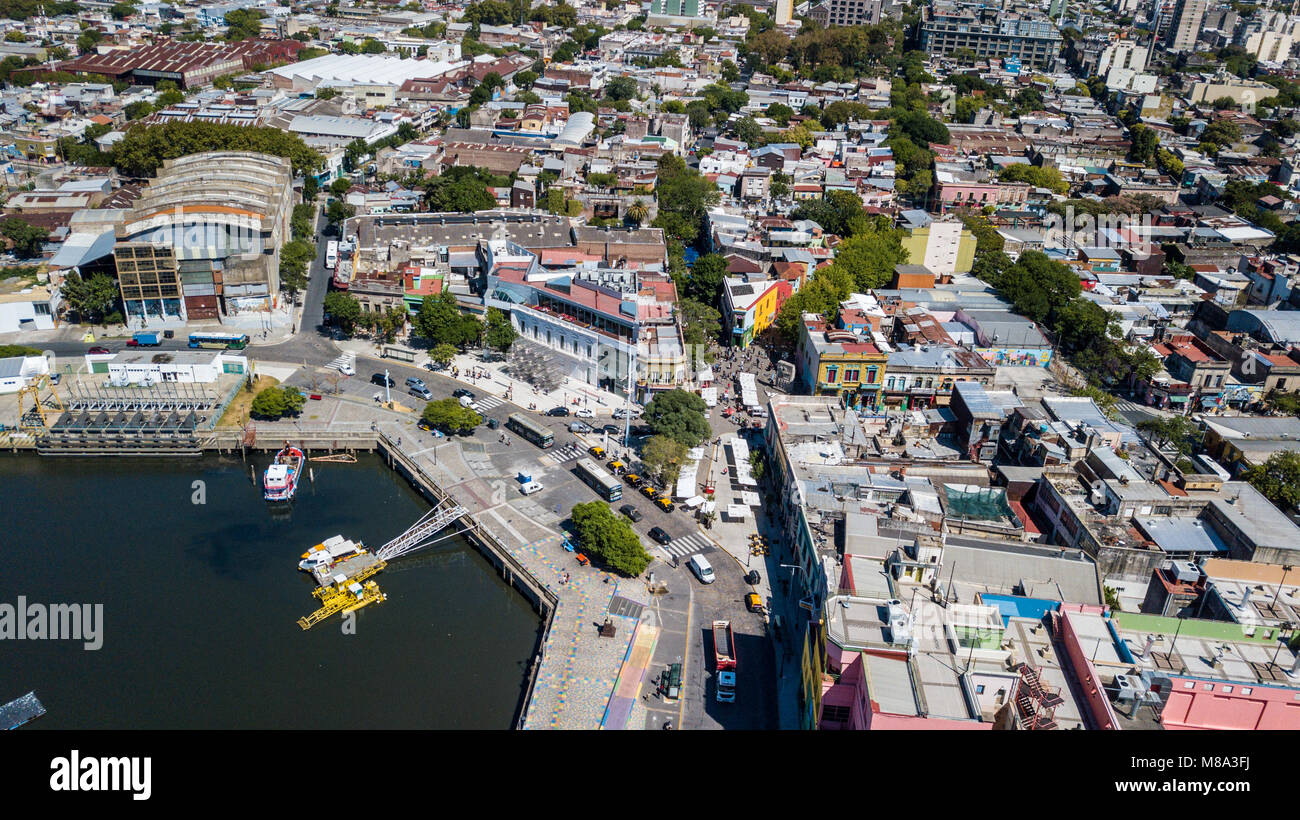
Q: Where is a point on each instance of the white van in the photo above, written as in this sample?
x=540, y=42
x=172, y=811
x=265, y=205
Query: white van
x=700, y=566
x=531, y=487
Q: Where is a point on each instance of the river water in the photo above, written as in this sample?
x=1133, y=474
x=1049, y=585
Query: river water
x=201, y=601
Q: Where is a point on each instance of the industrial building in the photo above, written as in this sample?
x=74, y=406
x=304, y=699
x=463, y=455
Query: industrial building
x=204, y=239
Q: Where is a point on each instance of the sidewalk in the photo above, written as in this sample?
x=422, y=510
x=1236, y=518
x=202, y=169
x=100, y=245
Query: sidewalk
x=278, y=325
x=495, y=382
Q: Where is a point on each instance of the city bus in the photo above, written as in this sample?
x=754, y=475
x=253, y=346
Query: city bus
x=605, y=485
x=530, y=430
x=331, y=255
x=219, y=341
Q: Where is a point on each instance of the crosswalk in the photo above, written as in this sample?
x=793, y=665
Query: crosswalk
x=486, y=403
x=688, y=545
x=567, y=453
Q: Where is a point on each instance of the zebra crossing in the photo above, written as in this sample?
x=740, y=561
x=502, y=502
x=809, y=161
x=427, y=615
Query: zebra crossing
x=687, y=545
x=486, y=403
x=567, y=453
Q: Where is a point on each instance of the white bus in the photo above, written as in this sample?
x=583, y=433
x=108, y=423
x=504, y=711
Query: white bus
x=332, y=255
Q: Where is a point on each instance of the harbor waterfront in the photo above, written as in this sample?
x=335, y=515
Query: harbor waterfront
x=201, y=592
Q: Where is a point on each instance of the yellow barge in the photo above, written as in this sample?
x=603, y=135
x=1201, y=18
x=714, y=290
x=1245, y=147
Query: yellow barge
x=343, y=570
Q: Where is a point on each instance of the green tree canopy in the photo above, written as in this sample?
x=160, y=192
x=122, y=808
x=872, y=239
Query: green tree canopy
x=500, y=334
x=449, y=416
x=441, y=321
x=662, y=457
x=678, y=414
x=343, y=308
x=28, y=240
x=276, y=402
x=609, y=538
x=1278, y=479
x=143, y=149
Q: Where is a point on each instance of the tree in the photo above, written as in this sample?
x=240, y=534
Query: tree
x=1039, y=176
x=90, y=298
x=28, y=240
x=700, y=322
x=870, y=257
x=749, y=131
x=449, y=416
x=441, y=322
x=338, y=210
x=705, y=282
x=274, y=402
x=620, y=88
x=500, y=334
x=343, y=309
x=662, y=458
x=241, y=24
x=443, y=353
x=1278, y=479
x=609, y=538
x=637, y=212
x=295, y=256
x=143, y=149
x=678, y=414
x=1145, y=143
x=1178, y=432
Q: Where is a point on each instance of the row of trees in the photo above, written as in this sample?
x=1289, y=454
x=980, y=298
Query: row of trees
x=144, y=148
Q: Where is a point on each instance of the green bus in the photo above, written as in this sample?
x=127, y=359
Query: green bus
x=219, y=341
x=530, y=430
x=605, y=485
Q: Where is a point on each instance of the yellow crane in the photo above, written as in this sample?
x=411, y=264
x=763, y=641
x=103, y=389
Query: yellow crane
x=336, y=601
x=335, y=589
x=34, y=390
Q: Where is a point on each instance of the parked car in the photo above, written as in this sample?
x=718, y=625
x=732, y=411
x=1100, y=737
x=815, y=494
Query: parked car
x=649, y=492
x=558, y=411
x=493, y=424
x=579, y=427
x=753, y=602
x=659, y=535
x=597, y=452
x=412, y=381
x=633, y=479
x=631, y=512
x=753, y=578
x=99, y=351
x=623, y=413
x=584, y=413
x=383, y=380
x=422, y=392
x=531, y=487
x=458, y=393
x=665, y=504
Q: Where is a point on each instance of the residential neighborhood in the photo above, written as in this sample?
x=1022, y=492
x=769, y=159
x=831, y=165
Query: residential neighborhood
x=934, y=365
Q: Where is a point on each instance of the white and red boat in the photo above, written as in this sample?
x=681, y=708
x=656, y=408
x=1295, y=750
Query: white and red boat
x=280, y=481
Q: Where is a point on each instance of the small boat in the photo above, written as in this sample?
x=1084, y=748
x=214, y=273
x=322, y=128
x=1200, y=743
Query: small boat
x=329, y=553
x=280, y=481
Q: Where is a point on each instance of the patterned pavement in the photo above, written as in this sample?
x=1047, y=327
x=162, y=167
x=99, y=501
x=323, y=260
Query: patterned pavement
x=579, y=668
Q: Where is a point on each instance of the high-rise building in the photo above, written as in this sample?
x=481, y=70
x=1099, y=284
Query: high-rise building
x=1186, y=25
x=853, y=12
x=784, y=12
x=989, y=33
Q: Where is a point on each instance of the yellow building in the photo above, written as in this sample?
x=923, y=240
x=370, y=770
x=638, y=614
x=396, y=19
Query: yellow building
x=750, y=307
x=838, y=362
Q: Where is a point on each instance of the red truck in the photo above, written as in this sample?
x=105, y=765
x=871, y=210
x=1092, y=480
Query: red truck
x=724, y=654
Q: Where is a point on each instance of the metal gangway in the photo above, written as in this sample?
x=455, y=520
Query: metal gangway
x=423, y=533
